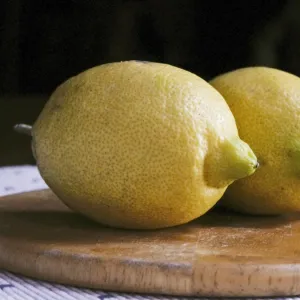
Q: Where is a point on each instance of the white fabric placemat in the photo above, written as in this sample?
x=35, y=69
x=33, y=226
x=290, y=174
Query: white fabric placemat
x=17, y=179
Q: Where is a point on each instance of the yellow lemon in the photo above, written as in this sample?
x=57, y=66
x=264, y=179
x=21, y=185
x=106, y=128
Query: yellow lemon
x=139, y=145
x=266, y=105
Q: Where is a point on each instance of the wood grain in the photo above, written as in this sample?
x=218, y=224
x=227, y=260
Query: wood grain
x=220, y=254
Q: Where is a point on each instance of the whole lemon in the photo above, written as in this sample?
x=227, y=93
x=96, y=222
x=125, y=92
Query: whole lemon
x=139, y=145
x=266, y=105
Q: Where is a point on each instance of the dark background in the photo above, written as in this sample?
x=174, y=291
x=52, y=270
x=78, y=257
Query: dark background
x=45, y=42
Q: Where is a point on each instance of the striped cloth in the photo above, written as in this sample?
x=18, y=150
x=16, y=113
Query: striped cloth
x=18, y=179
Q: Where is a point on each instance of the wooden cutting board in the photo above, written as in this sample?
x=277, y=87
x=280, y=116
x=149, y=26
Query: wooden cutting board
x=220, y=254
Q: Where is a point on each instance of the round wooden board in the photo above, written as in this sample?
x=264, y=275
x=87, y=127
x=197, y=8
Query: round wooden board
x=219, y=254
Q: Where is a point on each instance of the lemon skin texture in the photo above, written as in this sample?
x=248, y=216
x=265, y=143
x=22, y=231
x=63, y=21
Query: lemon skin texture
x=139, y=145
x=266, y=105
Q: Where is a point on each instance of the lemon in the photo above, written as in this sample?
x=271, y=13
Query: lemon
x=139, y=145
x=266, y=105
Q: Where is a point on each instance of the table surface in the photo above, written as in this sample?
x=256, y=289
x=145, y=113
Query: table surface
x=17, y=179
